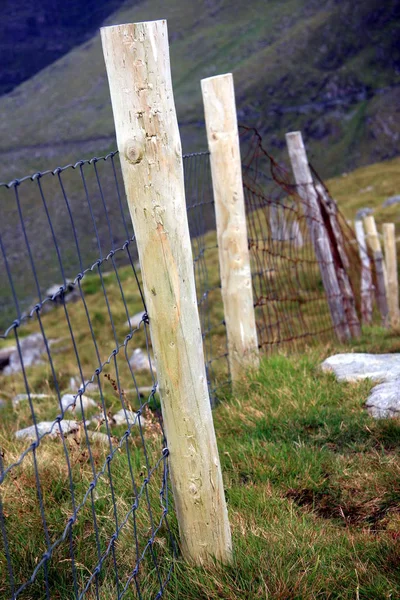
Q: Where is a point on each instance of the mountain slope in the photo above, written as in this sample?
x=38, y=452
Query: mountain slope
x=331, y=69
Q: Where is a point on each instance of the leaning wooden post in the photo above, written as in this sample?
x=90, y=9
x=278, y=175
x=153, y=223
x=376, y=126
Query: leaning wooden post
x=318, y=234
x=375, y=245
x=366, y=275
x=138, y=68
x=226, y=168
x=389, y=241
x=342, y=262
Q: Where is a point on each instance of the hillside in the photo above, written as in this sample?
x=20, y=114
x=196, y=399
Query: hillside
x=331, y=69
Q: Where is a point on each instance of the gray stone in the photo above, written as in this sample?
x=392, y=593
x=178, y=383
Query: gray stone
x=32, y=347
x=391, y=201
x=355, y=367
x=135, y=320
x=124, y=417
x=74, y=386
x=363, y=212
x=384, y=400
x=139, y=361
x=73, y=404
x=98, y=436
x=23, y=397
x=47, y=427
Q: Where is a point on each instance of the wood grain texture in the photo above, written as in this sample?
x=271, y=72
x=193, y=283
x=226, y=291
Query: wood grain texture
x=306, y=190
x=342, y=262
x=374, y=243
x=366, y=274
x=389, y=242
x=234, y=259
x=138, y=68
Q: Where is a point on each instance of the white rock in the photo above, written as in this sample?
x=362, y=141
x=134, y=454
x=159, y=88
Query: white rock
x=358, y=366
x=139, y=361
x=74, y=386
x=50, y=427
x=22, y=397
x=68, y=402
x=135, y=320
x=32, y=347
x=130, y=417
x=384, y=400
x=98, y=436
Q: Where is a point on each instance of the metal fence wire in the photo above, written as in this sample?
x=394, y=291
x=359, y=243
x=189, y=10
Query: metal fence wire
x=86, y=509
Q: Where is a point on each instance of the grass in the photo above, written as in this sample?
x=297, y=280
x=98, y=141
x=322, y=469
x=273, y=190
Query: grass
x=313, y=490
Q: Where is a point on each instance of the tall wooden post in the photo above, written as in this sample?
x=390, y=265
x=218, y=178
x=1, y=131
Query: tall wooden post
x=389, y=241
x=138, y=68
x=226, y=168
x=366, y=275
x=375, y=245
x=319, y=237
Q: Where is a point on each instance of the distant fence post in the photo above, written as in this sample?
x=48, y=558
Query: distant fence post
x=226, y=168
x=342, y=261
x=319, y=237
x=138, y=68
x=366, y=275
x=389, y=241
x=375, y=245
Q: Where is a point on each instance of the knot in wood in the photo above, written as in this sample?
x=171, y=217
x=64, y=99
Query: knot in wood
x=133, y=151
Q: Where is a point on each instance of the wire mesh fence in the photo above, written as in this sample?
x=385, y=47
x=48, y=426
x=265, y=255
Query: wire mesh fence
x=291, y=304
x=81, y=435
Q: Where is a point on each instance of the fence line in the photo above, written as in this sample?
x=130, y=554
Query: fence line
x=82, y=438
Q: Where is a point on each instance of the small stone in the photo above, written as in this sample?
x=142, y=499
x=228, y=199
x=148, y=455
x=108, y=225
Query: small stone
x=98, y=436
x=73, y=403
x=128, y=417
x=358, y=366
x=384, y=400
x=47, y=427
x=140, y=361
x=391, y=201
x=135, y=320
x=74, y=386
x=22, y=397
x=32, y=347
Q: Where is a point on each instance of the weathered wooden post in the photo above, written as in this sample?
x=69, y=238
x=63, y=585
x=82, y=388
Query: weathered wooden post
x=366, y=275
x=342, y=262
x=226, y=168
x=138, y=68
x=319, y=237
x=389, y=241
x=375, y=245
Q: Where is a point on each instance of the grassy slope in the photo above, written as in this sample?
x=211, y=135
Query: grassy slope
x=279, y=53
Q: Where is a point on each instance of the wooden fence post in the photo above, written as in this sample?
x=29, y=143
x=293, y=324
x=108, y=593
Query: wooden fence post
x=319, y=237
x=342, y=261
x=138, y=68
x=375, y=245
x=366, y=275
x=389, y=241
x=226, y=168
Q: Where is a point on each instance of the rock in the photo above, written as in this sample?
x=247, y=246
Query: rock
x=363, y=212
x=71, y=292
x=74, y=386
x=140, y=361
x=50, y=427
x=354, y=367
x=5, y=354
x=130, y=417
x=32, y=347
x=384, y=400
x=391, y=201
x=135, y=320
x=68, y=403
x=98, y=436
x=3, y=403
x=22, y=397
